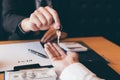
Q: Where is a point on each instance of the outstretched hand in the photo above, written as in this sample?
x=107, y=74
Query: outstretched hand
x=60, y=60
x=41, y=19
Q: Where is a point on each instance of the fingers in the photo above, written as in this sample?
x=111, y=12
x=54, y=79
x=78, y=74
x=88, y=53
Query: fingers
x=51, y=51
x=49, y=38
x=43, y=17
x=61, y=52
x=55, y=17
x=74, y=56
x=54, y=50
x=27, y=26
x=56, y=53
x=38, y=19
x=49, y=35
x=46, y=14
x=33, y=27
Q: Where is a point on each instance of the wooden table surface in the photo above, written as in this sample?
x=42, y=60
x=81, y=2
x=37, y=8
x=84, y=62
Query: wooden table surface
x=100, y=45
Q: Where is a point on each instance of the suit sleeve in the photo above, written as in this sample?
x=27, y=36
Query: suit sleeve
x=14, y=11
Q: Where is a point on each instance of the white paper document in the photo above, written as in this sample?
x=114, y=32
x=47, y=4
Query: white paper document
x=73, y=46
x=18, y=54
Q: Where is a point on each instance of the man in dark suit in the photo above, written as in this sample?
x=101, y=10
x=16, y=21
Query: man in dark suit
x=22, y=20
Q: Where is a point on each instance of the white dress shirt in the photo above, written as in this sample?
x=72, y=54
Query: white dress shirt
x=78, y=71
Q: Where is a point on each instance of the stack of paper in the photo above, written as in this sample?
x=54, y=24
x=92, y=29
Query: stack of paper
x=73, y=46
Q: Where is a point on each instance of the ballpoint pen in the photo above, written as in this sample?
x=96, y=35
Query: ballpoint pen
x=37, y=53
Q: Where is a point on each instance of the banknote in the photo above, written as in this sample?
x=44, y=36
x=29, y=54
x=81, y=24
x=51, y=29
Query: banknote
x=32, y=74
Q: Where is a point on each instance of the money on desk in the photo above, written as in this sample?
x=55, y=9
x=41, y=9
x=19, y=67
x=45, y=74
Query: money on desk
x=32, y=74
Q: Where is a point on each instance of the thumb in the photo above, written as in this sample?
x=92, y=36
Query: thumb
x=56, y=25
x=73, y=55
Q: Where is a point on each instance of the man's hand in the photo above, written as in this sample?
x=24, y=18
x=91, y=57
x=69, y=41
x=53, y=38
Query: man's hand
x=59, y=58
x=51, y=35
x=41, y=19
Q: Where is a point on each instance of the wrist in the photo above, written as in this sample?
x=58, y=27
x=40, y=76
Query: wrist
x=24, y=25
x=20, y=31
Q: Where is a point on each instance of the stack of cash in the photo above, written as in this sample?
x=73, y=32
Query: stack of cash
x=32, y=74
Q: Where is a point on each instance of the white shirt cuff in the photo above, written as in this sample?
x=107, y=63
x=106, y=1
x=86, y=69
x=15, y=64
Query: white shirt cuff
x=77, y=71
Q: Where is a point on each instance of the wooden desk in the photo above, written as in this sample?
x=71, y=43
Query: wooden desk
x=102, y=46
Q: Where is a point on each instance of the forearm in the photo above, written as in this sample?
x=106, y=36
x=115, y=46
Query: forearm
x=77, y=71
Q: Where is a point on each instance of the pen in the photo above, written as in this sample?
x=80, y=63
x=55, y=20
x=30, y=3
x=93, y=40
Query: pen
x=37, y=53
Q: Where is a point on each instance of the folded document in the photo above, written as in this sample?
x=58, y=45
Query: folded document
x=18, y=54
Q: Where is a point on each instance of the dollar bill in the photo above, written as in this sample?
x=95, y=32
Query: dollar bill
x=32, y=74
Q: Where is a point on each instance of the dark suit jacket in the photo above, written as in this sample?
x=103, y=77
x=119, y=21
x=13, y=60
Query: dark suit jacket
x=16, y=10
x=78, y=17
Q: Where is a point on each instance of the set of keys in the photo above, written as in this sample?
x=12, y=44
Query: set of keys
x=58, y=32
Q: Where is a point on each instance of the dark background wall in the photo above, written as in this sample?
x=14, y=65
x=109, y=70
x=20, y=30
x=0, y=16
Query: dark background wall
x=95, y=18
x=1, y=30
x=0, y=10
x=3, y=35
x=95, y=15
